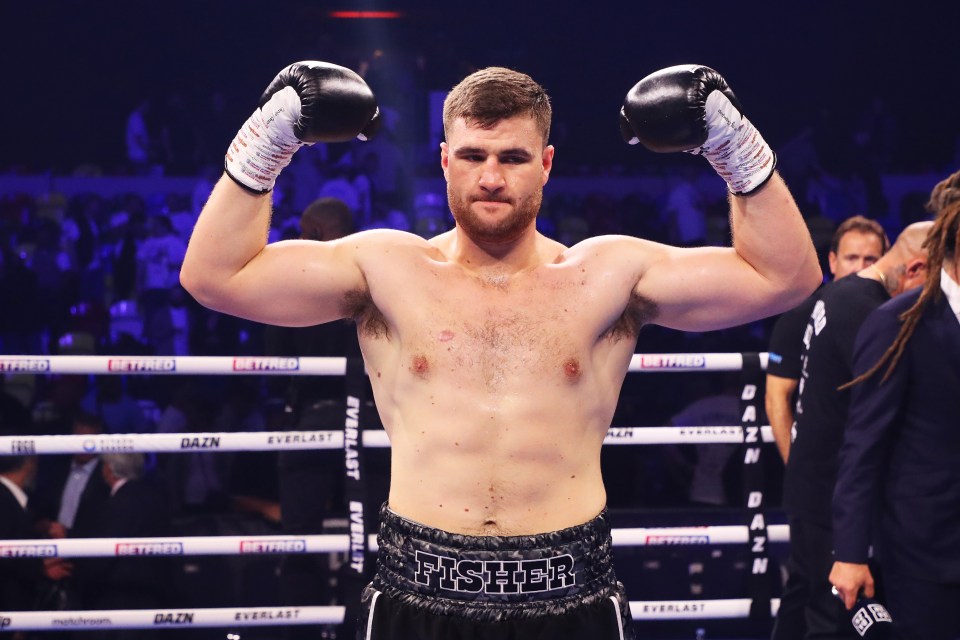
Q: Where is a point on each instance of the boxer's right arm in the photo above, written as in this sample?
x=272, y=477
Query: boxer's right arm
x=228, y=266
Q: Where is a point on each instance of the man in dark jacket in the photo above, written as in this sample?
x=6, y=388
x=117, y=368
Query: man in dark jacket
x=902, y=443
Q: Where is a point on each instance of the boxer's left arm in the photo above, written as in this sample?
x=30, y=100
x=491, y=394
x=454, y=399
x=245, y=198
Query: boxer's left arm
x=772, y=265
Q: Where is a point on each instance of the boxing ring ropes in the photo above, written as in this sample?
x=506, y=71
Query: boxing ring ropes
x=750, y=434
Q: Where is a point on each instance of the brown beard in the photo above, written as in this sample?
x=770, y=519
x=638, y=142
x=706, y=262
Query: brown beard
x=524, y=213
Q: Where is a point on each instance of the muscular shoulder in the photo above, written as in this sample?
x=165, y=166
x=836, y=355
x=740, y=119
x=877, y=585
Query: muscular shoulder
x=385, y=256
x=378, y=240
x=625, y=251
x=619, y=262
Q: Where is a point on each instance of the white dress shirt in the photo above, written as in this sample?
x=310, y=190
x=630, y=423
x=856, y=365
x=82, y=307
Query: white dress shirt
x=952, y=291
x=15, y=490
x=73, y=490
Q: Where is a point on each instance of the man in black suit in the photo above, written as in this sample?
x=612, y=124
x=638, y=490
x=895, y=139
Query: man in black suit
x=135, y=508
x=71, y=491
x=20, y=577
x=902, y=445
x=807, y=607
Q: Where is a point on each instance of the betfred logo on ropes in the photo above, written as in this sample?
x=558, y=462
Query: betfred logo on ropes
x=149, y=549
x=674, y=361
x=27, y=365
x=266, y=364
x=121, y=365
x=28, y=551
x=273, y=546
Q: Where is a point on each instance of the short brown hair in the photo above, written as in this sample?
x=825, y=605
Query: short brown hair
x=863, y=225
x=326, y=219
x=493, y=94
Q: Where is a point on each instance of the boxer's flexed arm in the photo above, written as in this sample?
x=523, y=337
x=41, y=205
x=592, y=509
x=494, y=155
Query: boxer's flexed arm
x=772, y=265
x=228, y=266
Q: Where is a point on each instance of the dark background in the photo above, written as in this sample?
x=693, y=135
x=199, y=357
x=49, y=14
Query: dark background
x=72, y=71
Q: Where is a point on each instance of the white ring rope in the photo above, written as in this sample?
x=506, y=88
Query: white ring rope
x=284, y=544
x=298, y=440
x=260, y=616
x=242, y=365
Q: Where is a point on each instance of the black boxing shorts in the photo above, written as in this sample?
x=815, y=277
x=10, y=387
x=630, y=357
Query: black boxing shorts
x=435, y=585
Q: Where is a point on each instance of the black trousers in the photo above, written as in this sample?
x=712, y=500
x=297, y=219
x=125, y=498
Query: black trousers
x=808, y=609
x=923, y=610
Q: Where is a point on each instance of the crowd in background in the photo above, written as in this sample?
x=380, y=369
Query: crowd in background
x=92, y=274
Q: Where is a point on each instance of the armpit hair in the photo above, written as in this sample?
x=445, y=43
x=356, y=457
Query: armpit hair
x=358, y=306
x=639, y=311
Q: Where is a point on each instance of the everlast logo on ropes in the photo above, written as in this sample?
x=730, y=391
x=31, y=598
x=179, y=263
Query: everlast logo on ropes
x=677, y=540
x=141, y=364
x=673, y=607
x=357, y=543
x=298, y=437
x=350, y=433
x=28, y=365
x=181, y=617
x=206, y=442
x=266, y=364
x=494, y=576
x=710, y=431
x=268, y=614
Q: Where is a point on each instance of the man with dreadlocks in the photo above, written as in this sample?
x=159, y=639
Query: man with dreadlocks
x=899, y=460
x=807, y=608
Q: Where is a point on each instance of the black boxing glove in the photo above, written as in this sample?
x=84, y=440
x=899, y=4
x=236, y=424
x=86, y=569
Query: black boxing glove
x=691, y=108
x=307, y=102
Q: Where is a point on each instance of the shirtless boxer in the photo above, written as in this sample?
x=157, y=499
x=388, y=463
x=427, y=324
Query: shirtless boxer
x=496, y=355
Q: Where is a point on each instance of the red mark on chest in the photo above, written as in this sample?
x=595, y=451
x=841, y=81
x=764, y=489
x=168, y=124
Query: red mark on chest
x=446, y=335
x=571, y=368
x=419, y=366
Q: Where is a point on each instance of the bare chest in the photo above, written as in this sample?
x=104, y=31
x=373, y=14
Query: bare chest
x=499, y=333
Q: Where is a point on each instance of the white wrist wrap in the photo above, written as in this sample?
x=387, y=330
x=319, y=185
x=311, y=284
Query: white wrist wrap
x=734, y=147
x=265, y=143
